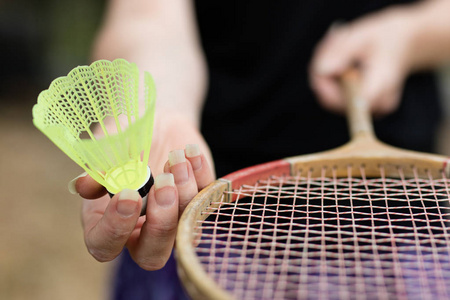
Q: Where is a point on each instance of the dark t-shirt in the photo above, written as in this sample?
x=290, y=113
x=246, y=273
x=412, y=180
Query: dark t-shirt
x=259, y=105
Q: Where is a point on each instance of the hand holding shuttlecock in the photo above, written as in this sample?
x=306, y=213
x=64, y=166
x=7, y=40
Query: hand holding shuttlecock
x=94, y=116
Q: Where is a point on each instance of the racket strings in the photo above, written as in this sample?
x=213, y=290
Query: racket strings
x=329, y=237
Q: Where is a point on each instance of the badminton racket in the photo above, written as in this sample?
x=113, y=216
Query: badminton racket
x=363, y=221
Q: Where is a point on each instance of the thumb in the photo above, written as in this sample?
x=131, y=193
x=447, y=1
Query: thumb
x=87, y=187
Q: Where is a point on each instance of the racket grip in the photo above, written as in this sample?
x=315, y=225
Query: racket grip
x=358, y=113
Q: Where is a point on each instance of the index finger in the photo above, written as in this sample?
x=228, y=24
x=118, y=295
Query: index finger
x=87, y=187
x=109, y=223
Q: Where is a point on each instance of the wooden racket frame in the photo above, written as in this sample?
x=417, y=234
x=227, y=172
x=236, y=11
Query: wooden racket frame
x=363, y=150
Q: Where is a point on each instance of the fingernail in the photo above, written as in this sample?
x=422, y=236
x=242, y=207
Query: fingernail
x=193, y=153
x=72, y=184
x=176, y=157
x=164, y=179
x=178, y=166
x=127, y=208
x=164, y=197
x=192, y=150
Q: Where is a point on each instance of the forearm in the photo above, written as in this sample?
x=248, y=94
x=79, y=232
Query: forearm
x=160, y=37
x=430, y=40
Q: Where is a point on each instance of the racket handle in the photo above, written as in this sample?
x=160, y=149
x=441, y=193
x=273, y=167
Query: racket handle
x=358, y=114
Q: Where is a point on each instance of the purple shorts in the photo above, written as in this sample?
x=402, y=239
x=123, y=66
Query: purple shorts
x=132, y=282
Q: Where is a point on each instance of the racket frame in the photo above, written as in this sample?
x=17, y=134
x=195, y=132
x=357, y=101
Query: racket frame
x=364, y=150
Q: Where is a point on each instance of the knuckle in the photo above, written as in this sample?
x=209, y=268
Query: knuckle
x=151, y=264
x=164, y=229
x=388, y=105
x=106, y=244
x=186, y=198
x=101, y=255
x=116, y=233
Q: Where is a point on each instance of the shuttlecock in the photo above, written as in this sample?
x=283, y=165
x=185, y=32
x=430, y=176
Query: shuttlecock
x=94, y=116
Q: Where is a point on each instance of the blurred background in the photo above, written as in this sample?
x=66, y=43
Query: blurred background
x=42, y=253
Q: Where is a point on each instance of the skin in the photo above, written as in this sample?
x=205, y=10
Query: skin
x=387, y=45
x=150, y=238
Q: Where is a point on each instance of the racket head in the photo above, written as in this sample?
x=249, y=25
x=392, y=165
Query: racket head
x=365, y=164
x=363, y=158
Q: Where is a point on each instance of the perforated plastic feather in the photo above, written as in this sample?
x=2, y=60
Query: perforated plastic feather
x=95, y=117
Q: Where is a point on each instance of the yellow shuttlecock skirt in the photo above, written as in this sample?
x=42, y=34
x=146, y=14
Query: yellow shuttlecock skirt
x=94, y=116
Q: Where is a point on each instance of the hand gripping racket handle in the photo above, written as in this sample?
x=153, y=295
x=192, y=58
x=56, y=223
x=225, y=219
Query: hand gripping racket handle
x=358, y=114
